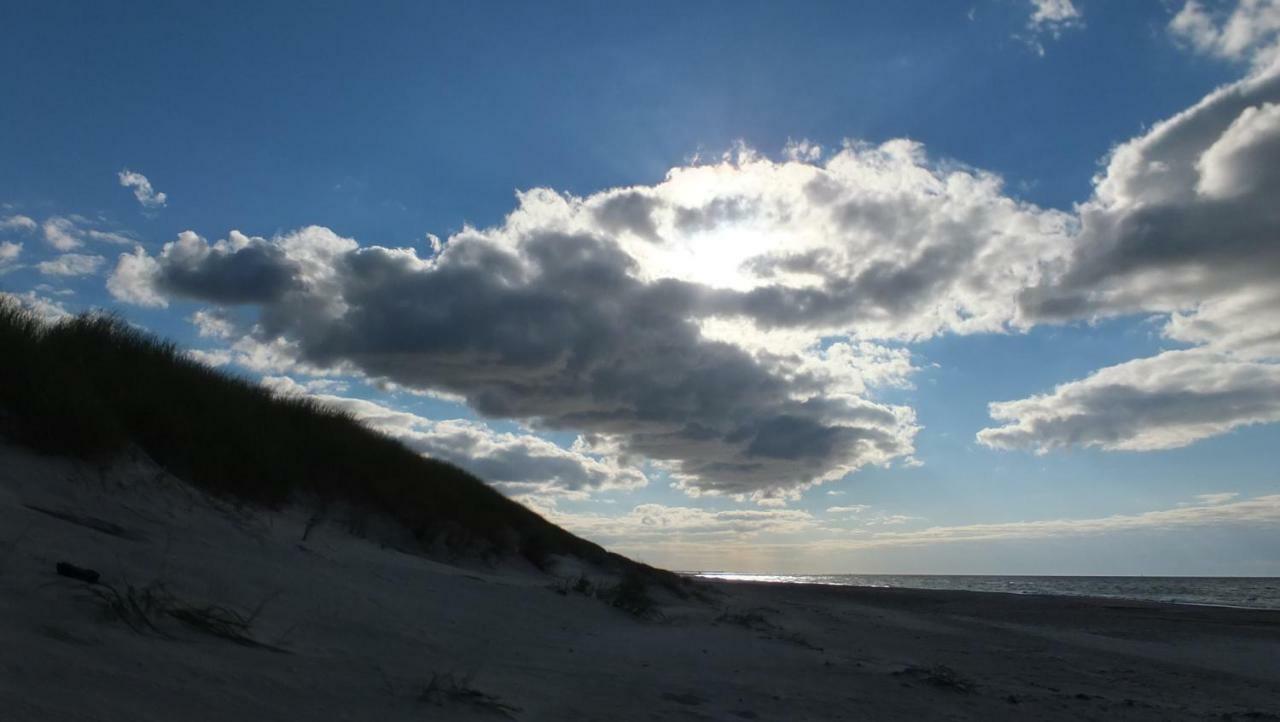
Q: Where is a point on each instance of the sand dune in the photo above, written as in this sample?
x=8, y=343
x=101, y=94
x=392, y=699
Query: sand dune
x=233, y=616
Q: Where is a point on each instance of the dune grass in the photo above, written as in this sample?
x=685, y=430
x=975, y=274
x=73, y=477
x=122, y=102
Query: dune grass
x=91, y=385
x=448, y=690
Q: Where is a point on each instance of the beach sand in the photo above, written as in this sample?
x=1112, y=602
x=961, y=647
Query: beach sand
x=349, y=628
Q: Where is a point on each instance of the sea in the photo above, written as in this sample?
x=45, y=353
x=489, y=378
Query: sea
x=1251, y=592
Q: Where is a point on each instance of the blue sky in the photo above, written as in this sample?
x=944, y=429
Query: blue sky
x=943, y=265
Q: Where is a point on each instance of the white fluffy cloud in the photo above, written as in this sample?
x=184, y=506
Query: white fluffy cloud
x=46, y=309
x=519, y=463
x=1054, y=13
x=67, y=233
x=1162, y=402
x=9, y=252
x=211, y=324
x=71, y=264
x=1183, y=222
x=61, y=233
x=149, y=197
x=17, y=223
x=1249, y=31
x=132, y=280
x=1050, y=18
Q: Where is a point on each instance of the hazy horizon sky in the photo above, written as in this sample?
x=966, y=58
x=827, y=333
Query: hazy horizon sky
x=840, y=287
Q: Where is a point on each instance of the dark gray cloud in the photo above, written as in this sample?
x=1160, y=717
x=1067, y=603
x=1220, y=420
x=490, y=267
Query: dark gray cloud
x=254, y=274
x=555, y=328
x=720, y=212
x=1183, y=214
x=238, y=270
x=884, y=294
x=631, y=211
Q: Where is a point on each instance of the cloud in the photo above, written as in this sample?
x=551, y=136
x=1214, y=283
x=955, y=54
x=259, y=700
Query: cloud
x=662, y=524
x=730, y=323
x=519, y=463
x=624, y=533
x=1053, y=12
x=1257, y=510
x=1238, y=162
x=133, y=280
x=211, y=357
x=17, y=223
x=212, y=324
x=71, y=264
x=853, y=509
x=9, y=252
x=234, y=271
x=1219, y=498
x=46, y=309
x=142, y=190
x=1250, y=31
x=891, y=519
x=1183, y=222
x=1050, y=18
x=66, y=233
x=702, y=533
x=274, y=356
x=877, y=519
x=1054, y=16
x=1163, y=402
x=46, y=288
x=525, y=332
x=120, y=239
x=61, y=233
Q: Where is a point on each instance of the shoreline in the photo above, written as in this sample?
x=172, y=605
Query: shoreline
x=713, y=578
x=956, y=595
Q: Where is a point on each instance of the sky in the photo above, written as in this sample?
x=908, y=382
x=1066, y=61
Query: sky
x=845, y=287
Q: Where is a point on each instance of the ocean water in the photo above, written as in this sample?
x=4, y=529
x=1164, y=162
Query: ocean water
x=1253, y=592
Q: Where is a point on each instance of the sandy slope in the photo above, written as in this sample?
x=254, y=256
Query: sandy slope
x=363, y=627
